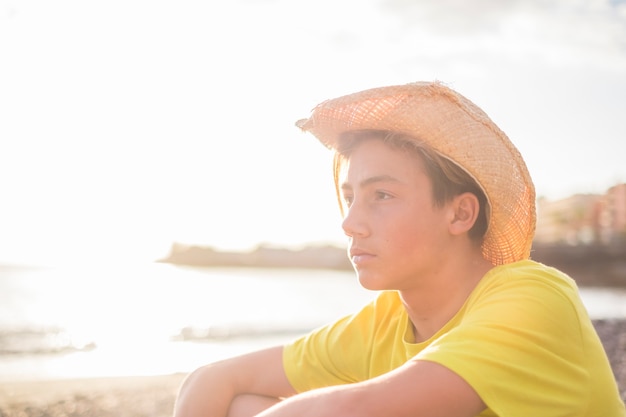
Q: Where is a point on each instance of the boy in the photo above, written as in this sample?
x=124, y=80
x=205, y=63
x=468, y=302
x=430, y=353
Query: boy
x=439, y=209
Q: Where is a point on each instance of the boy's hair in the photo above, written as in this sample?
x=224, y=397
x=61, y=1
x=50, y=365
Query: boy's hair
x=447, y=178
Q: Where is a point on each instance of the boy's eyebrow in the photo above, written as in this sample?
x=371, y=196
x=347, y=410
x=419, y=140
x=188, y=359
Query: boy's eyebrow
x=370, y=180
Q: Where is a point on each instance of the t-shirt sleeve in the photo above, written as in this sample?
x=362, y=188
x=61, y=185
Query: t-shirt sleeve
x=321, y=358
x=519, y=346
x=338, y=353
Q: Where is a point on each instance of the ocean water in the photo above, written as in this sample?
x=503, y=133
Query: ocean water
x=157, y=318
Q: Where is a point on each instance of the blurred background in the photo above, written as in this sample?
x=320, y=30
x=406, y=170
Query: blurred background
x=126, y=126
x=131, y=127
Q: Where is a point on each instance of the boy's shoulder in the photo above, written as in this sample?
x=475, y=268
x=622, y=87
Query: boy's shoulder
x=527, y=286
x=528, y=272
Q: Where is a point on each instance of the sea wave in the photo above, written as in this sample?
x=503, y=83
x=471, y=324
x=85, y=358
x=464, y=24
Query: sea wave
x=216, y=333
x=41, y=341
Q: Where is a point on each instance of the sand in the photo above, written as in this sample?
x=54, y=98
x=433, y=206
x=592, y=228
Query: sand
x=95, y=397
x=154, y=396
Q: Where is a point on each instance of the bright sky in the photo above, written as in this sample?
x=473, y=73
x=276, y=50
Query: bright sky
x=127, y=125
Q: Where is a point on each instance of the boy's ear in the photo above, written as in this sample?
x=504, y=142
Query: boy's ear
x=465, y=212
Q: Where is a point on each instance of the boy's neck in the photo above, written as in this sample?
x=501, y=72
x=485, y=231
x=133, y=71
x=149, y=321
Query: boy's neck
x=432, y=305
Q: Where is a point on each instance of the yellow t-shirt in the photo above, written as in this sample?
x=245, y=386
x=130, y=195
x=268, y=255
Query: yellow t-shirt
x=522, y=340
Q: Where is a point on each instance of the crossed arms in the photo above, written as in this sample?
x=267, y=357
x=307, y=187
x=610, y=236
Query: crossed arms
x=256, y=385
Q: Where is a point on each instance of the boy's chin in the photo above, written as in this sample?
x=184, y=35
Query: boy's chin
x=371, y=281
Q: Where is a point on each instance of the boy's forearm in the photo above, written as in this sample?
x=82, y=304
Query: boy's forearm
x=247, y=405
x=249, y=382
x=339, y=401
x=205, y=392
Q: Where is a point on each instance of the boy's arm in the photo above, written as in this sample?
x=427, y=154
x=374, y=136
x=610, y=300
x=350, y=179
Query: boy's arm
x=210, y=390
x=418, y=388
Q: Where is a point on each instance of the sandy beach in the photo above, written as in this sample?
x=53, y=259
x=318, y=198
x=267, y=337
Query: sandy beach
x=95, y=397
x=154, y=395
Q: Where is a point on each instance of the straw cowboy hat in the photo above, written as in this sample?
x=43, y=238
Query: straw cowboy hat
x=460, y=131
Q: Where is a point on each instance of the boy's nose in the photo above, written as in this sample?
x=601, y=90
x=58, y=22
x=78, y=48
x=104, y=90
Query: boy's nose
x=353, y=224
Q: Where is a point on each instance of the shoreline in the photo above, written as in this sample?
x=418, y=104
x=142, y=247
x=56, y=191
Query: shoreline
x=589, y=265
x=154, y=396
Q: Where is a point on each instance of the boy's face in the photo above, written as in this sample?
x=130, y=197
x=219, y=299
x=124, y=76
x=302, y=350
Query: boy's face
x=397, y=234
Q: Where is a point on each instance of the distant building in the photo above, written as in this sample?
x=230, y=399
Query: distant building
x=612, y=227
x=583, y=219
x=571, y=221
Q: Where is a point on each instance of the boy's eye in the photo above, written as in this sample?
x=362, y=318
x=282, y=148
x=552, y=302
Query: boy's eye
x=381, y=195
x=347, y=199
